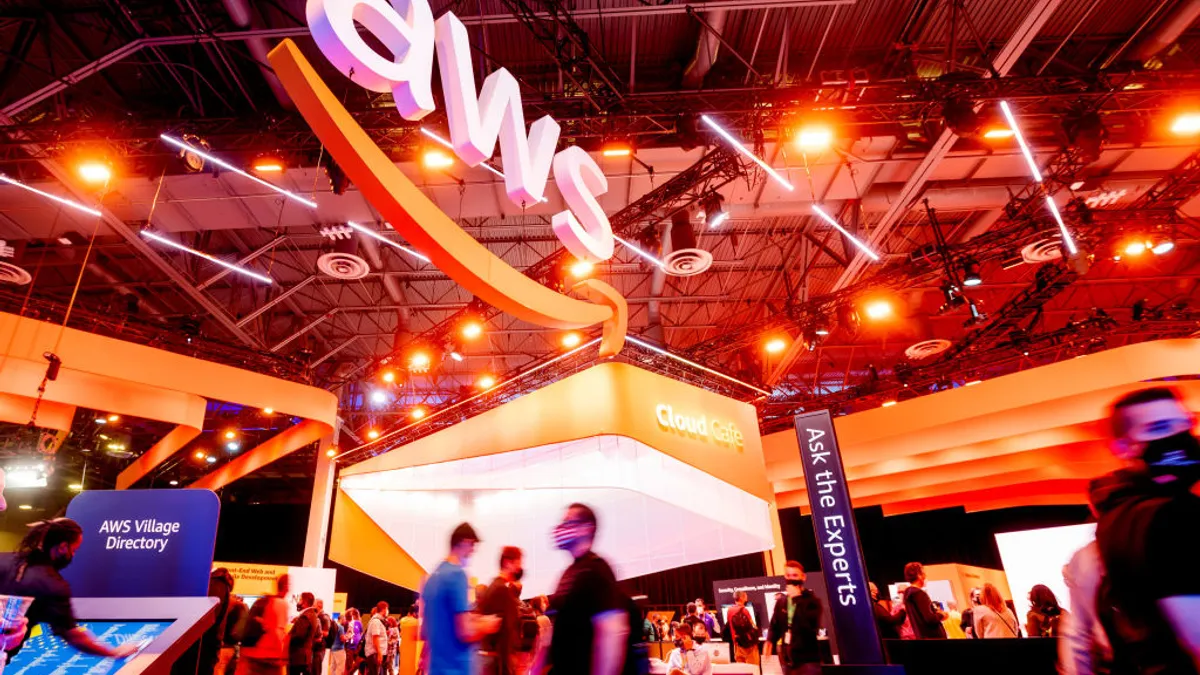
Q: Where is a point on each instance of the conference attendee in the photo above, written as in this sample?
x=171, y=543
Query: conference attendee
x=322, y=640
x=337, y=646
x=265, y=645
x=375, y=641
x=686, y=659
x=968, y=620
x=799, y=651
x=393, y=645
x=304, y=635
x=1084, y=648
x=1146, y=529
x=450, y=628
x=591, y=619
x=993, y=618
x=541, y=605
x=743, y=631
x=924, y=618
x=888, y=621
x=692, y=619
x=1045, y=618
x=231, y=638
x=710, y=621
x=498, y=651
x=410, y=627
x=34, y=571
x=777, y=626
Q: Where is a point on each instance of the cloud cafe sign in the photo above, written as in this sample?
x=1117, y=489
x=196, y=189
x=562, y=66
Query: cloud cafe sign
x=722, y=433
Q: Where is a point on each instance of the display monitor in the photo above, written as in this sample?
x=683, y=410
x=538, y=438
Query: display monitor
x=45, y=653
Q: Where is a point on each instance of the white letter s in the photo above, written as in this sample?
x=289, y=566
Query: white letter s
x=580, y=181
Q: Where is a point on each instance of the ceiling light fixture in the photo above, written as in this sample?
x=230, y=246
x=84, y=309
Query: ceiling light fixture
x=1025, y=151
x=971, y=275
x=379, y=237
x=813, y=138
x=775, y=345
x=1062, y=226
x=998, y=133
x=838, y=226
x=418, y=413
x=61, y=200
x=229, y=167
x=616, y=149
x=486, y=382
x=879, y=309
x=1186, y=124
x=379, y=397
x=388, y=376
x=450, y=145
x=436, y=159
x=456, y=356
x=373, y=434
x=640, y=252
x=472, y=330
x=216, y=261
x=581, y=269
x=571, y=340
x=737, y=145
x=95, y=172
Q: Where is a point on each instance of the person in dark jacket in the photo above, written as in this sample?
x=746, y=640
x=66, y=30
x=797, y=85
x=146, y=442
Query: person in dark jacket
x=231, y=639
x=306, y=629
x=889, y=622
x=799, y=653
x=925, y=619
x=778, y=625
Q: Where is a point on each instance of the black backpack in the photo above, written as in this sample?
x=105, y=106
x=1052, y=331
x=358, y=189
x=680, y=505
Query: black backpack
x=527, y=628
x=743, y=628
x=254, y=628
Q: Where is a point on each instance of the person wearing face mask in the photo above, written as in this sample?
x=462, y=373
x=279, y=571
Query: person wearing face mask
x=306, y=630
x=591, y=618
x=686, y=659
x=799, y=653
x=450, y=628
x=33, y=570
x=1149, y=602
x=498, y=651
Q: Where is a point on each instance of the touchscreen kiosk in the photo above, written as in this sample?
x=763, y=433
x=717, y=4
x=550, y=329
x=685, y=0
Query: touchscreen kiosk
x=162, y=627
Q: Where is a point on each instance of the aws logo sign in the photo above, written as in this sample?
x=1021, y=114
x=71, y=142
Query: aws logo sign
x=477, y=123
x=723, y=433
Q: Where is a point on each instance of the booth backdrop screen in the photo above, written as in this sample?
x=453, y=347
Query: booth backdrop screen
x=47, y=654
x=1034, y=557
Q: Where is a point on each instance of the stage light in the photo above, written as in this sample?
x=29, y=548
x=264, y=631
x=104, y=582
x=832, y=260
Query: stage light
x=380, y=238
x=571, y=340
x=373, y=434
x=230, y=435
x=217, y=261
x=418, y=413
x=616, y=149
x=233, y=446
x=436, y=159
x=211, y=459
x=173, y=483
x=642, y=254
x=714, y=209
x=1062, y=227
x=95, y=172
x=331, y=452
x=1025, y=151
x=486, y=382
x=229, y=167
x=1135, y=248
x=419, y=362
x=450, y=145
x=199, y=454
x=379, y=397
x=472, y=330
x=267, y=164
x=25, y=476
x=268, y=411
x=456, y=356
x=878, y=310
x=838, y=226
x=971, y=276
x=61, y=200
x=888, y=404
x=1186, y=124
x=581, y=269
x=972, y=383
x=388, y=376
x=737, y=145
x=775, y=345
x=813, y=138
x=114, y=418
x=25, y=507
x=75, y=487
x=961, y=117
x=998, y=133
x=1163, y=247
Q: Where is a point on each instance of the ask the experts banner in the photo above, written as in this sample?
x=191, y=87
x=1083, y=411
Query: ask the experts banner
x=143, y=543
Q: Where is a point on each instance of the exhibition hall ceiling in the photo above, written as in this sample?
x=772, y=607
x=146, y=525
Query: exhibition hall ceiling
x=884, y=112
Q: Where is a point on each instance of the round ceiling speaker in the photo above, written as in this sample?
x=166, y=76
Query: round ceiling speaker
x=11, y=274
x=1042, y=250
x=926, y=349
x=688, y=262
x=343, y=266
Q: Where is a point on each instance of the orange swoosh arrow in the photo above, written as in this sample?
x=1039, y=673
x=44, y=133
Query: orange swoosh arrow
x=430, y=230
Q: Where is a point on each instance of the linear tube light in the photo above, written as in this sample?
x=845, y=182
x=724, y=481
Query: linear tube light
x=229, y=167
x=746, y=151
x=61, y=200
x=379, y=237
x=229, y=266
x=837, y=226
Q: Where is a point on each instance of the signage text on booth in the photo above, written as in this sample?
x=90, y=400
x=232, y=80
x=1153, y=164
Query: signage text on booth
x=724, y=433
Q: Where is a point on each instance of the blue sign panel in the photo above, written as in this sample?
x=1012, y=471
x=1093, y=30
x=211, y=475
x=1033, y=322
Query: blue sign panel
x=837, y=537
x=143, y=543
x=44, y=653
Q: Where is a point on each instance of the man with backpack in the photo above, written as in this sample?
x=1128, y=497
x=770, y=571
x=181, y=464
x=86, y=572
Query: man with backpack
x=324, y=639
x=745, y=632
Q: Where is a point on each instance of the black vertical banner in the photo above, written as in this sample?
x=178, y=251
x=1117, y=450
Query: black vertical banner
x=837, y=537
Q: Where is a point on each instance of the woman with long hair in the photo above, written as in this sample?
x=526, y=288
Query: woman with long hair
x=993, y=618
x=1045, y=618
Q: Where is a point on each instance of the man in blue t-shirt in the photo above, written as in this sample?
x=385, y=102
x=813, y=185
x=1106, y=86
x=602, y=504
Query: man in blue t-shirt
x=450, y=628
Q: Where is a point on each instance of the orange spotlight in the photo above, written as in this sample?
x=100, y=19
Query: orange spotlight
x=268, y=411
x=200, y=454
x=888, y=404
x=877, y=310
x=775, y=345
x=419, y=362
x=267, y=164
x=114, y=418
x=388, y=376
x=1186, y=124
x=373, y=434
x=998, y=133
x=95, y=172
x=472, y=330
x=581, y=269
x=616, y=149
x=486, y=382
x=1135, y=247
x=230, y=435
x=331, y=452
x=418, y=413
x=436, y=159
x=571, y=340
x=813, y=138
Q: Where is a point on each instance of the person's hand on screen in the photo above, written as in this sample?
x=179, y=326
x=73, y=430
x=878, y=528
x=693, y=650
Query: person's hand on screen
x=125, y=649
x=14, y=634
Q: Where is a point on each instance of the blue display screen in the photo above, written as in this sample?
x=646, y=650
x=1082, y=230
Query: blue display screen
x=45, y=652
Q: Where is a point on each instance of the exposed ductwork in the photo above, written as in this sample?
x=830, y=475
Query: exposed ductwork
x=1168, y=31
x=243, y=17
x=658, y=283
x=392, y=286
x=707, y=49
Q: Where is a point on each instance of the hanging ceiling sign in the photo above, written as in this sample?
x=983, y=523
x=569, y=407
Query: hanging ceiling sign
x=477, y=122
